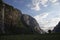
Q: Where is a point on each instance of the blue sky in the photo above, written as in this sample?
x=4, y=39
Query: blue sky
x=46, y=12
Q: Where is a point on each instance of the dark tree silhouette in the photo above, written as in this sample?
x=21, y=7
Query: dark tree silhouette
x=49, y=31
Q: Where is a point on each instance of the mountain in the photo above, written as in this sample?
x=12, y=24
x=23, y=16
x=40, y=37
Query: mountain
x=57, y=28
x=31, y=23
x=12, y=21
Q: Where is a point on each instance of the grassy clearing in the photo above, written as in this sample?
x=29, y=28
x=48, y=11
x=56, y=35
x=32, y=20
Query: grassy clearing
x=31, y=37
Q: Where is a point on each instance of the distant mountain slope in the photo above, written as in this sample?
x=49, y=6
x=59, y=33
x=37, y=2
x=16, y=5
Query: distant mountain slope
x=57, y=28
x=31, y=23
x=15, y=22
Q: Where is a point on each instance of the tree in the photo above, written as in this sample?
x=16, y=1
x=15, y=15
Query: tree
x=49, y=31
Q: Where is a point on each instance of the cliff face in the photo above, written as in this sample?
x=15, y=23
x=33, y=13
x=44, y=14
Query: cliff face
x=57, y=28
x=9, y=18
x=16, y=22
x=31, y=23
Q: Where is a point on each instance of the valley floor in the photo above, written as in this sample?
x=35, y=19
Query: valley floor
x=31, y=37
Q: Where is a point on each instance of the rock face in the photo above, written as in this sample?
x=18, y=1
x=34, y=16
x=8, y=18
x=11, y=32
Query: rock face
x=31, y=23
x=9, y=19
x=15, y=22
x=57, y=28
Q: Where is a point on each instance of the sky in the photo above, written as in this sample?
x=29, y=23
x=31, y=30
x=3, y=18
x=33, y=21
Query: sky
x=46, y=12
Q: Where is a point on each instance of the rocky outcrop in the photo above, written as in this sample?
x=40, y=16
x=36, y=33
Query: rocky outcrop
x=31, y=23
x=57, y=28
x=15, y=22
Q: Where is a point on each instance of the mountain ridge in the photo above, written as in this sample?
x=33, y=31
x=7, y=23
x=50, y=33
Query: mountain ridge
x=16, y=23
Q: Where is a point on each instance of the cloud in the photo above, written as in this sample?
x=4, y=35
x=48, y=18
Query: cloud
x=43, y=2
x=36, y=4
x=40, y=18
x=53, y=1
x=36, y=7
x=57, y=3
x=47, y=23
x=43, y=15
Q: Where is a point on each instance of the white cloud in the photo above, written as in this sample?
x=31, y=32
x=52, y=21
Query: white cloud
x=43, y=15
x=36, y=7
x=45, y=5
x=43, y=2
x=53, y=1
x=36, y=4
x=57, y=3
x=40, y=18
x=47, y=23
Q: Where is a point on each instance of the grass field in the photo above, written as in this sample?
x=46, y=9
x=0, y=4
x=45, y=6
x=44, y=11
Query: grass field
x=31, y=37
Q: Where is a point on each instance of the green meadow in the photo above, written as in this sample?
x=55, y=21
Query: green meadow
x=31, y=37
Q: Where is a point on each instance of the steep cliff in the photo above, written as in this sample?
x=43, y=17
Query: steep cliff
x=57, y=28
x=31, y=23
x=15, y=22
